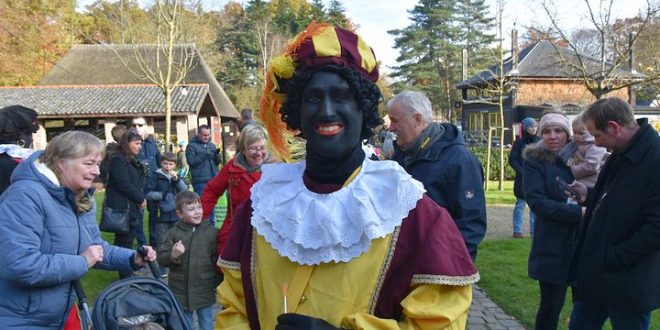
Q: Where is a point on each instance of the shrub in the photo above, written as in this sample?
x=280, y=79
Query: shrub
x=482, y=151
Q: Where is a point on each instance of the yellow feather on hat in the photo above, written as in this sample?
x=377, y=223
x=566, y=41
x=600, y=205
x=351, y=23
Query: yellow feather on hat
x=283, y=66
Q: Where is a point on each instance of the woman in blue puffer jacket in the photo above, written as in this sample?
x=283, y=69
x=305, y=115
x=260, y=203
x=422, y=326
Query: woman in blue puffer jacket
x=49, y=236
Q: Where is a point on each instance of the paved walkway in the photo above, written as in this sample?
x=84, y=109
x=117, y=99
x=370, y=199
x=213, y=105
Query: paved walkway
x=484, y=313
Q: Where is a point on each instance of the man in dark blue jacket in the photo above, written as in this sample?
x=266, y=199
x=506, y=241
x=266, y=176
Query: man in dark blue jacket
x=203, y=159
x=149, y=156
x=435, y=154
x=617, y=260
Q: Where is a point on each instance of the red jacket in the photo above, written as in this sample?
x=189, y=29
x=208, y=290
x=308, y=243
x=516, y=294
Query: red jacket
x=234, y=178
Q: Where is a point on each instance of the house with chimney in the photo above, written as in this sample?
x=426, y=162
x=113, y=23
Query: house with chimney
x=537, y=78
x=95, y=87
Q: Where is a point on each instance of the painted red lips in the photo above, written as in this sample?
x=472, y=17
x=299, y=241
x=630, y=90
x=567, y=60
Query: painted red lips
x=329, y=129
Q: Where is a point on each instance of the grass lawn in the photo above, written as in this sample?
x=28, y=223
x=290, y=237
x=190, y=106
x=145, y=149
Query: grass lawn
x=495, y=196
x=503, y=268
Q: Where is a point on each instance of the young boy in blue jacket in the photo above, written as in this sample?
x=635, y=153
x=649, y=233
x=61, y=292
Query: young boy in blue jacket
x=162, y=187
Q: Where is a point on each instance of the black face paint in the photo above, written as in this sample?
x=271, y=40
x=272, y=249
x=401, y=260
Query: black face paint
x=330, y=119
x=26, y=139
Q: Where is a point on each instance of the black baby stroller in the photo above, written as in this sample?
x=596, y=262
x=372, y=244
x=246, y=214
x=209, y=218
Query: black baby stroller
x=132, y=301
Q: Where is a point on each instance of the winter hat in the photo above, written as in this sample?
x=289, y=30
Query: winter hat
x=528, y=122
x=558, y=119
x=318, y=45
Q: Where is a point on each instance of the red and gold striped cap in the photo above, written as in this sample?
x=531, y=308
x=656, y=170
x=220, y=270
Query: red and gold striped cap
x=319, y=44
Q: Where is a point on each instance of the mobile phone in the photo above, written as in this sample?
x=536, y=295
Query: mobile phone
x=564, y=185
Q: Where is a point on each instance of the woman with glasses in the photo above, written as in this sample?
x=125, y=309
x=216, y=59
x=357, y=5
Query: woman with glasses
x=237, y=176
x=126, y=175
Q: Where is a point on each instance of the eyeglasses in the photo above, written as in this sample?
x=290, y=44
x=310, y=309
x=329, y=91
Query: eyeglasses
x=256, y=149
x=138, y=124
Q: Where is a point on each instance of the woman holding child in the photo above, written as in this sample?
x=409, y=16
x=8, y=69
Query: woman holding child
x=557, y=218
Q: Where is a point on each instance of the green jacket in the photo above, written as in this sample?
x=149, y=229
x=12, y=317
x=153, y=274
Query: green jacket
x=193, y=277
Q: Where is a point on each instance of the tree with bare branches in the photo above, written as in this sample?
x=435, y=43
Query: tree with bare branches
x=601, y=56
x=174, y=57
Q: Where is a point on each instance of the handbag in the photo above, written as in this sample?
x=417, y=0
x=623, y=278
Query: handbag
x=114, y=220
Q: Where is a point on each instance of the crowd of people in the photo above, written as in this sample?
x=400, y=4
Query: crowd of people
x=342, y=238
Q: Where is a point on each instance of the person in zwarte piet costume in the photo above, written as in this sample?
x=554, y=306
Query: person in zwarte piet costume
x=338, y=240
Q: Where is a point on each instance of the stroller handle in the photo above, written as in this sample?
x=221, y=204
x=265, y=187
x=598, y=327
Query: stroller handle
x=86, y=317
x=153, y=266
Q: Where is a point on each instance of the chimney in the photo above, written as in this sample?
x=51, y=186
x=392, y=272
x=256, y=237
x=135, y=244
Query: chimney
x=514, y=51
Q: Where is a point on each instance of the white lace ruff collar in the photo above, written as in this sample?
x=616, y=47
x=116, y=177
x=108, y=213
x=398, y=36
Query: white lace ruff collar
x=311, y=228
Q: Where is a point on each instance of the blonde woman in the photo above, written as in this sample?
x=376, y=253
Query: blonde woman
x=49, y=235
x=237, y=176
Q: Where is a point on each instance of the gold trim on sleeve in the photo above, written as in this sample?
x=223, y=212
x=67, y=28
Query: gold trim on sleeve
x=445, y=279
x=383, y=271
x=253, y=267
x=233, y=265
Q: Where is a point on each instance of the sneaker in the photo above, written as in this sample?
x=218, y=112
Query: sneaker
x=518, y=235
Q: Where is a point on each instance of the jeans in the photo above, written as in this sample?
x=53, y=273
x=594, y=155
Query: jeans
x=518, y=212
x=138, y=230
x=592, y=315
x=152, y=207
x=204, y=317
x=199, y=188
x=552, y=300
x=126, y=240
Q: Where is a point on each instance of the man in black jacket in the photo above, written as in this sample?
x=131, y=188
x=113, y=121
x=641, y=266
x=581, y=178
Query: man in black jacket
x=617, y=260
x=203, y=159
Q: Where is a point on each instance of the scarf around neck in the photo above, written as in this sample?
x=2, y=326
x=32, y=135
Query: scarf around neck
x=430, y=134
x=242, y=161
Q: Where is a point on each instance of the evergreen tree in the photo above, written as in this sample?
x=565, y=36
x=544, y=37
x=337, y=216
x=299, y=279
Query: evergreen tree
x=238, y=48
x=476, y=31
x=318, y=11
x=429, y=50
x=336, y=15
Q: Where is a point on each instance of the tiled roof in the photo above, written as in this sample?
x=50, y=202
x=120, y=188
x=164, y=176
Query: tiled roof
x=113, y=64
x=103, y=101
x=543, y=60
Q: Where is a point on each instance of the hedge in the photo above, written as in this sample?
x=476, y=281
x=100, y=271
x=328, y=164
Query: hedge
x=482, y=151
